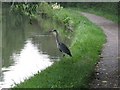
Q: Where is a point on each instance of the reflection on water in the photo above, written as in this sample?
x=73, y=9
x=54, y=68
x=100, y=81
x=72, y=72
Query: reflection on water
x=26, y=48
x=27, y=63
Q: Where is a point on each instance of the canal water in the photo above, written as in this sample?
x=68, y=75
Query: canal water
x=26, y=48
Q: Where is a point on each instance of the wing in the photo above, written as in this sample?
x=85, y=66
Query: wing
x=64, y=48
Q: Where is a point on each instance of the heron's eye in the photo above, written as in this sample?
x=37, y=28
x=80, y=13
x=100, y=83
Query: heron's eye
x=54, y=30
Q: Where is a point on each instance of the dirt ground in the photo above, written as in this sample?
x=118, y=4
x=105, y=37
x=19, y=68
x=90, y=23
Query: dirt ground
x=106, y=71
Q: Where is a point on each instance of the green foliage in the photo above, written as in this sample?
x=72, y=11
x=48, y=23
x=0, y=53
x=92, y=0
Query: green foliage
x=28, y=9
x=107, y=9
x=72, y=72
x=63, y=18
x=45, y=9
x=33, y=9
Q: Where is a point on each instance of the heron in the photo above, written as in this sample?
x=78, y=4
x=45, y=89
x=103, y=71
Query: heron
x=61, y=46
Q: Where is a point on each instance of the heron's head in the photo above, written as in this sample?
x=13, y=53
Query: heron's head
x=54, y=32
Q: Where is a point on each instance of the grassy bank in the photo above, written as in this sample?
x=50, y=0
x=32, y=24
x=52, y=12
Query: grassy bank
x=75, y=71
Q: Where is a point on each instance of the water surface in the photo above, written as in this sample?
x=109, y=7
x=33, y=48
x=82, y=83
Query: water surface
x=27, y=48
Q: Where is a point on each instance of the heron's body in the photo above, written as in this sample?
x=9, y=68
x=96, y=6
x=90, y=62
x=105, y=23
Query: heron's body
x=61, y=46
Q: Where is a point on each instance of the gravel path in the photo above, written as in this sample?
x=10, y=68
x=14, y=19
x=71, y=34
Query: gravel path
x=106, y=72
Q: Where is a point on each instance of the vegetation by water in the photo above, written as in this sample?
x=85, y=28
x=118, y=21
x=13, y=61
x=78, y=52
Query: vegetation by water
x=107, y=9
x=86, y=45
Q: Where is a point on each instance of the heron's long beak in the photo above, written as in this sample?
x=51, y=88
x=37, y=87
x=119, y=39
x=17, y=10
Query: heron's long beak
x=50, y=31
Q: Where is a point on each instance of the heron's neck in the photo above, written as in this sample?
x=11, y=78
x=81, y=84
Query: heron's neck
x=57, y=39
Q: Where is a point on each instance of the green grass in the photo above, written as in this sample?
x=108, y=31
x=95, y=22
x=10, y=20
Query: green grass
x=75, y=71
x=107, y=10
x=109, y=16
